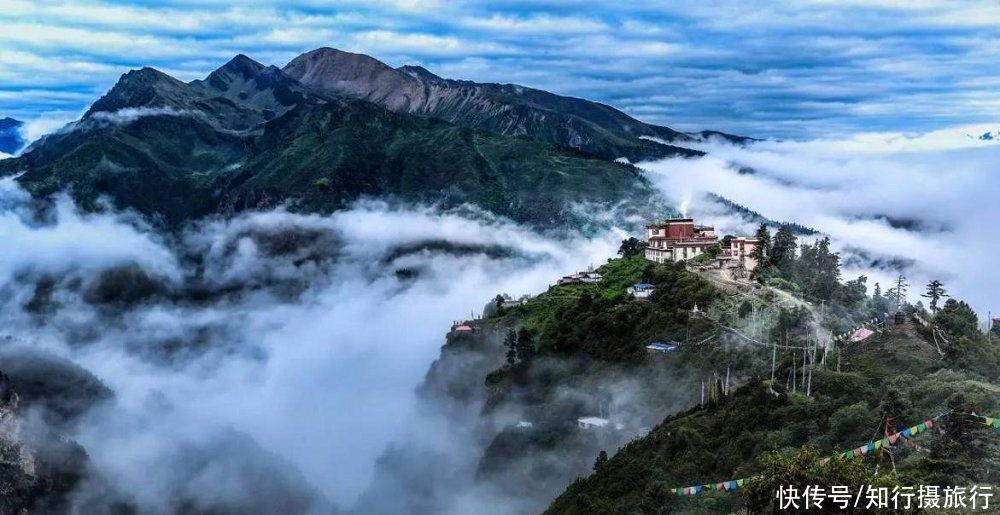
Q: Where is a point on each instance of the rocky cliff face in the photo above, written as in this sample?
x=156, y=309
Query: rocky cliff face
x=37, y=470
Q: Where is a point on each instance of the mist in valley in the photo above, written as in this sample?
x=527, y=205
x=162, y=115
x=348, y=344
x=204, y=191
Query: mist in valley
x=277, y=361
x=262, y=361
x=920, y=205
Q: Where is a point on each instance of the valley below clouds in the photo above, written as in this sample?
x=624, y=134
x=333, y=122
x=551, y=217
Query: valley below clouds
x=268, y=358
x=271, y=360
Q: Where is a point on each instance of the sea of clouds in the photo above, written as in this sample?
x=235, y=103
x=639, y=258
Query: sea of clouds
x=268, y=361
x=921, y=205
x=271, y=357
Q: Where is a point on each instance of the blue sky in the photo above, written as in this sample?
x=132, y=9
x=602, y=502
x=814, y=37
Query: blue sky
x=797, y=70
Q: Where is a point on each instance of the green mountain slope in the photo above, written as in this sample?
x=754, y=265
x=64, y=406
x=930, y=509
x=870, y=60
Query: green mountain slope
x=250, y=137
x=896, y=376
x=707, y=410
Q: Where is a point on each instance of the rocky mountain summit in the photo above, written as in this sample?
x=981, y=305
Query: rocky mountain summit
x=507, y=109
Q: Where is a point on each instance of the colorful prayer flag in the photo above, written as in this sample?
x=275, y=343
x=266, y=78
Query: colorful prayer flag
x=893, y=439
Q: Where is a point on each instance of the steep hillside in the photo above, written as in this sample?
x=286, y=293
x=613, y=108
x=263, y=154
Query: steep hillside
x=502, y=108
x=249, y=136
x=519, y=414
x=38, y=469
x=572, y=390
x=892, y=381
x=814, y=392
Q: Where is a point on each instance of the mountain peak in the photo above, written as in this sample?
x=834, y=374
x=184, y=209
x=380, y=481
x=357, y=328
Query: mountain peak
x=137, y=88
x=324, y=64
x=144, y=75
x=243, y=65
x=353, y=75
x=240, y=67
x=506, y=108
x=326, y=52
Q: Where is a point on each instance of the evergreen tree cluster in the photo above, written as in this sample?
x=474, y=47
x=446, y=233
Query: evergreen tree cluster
x=520, y=346
x=813, y=268
x=958, y=319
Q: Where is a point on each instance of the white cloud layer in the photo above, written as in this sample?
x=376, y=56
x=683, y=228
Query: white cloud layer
x=305, y=337
x=885, y=199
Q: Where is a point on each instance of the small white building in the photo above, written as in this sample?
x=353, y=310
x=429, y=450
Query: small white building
x=641, y=290
x=587, y=277
x=740, y=253
x=596, y=423
x=510, y=302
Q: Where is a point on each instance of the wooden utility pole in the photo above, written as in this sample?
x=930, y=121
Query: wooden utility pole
x=804, y=353
x=809, y=384
x=725, y=390
x=774, y=357
x=794, y=382
x=714, y=392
